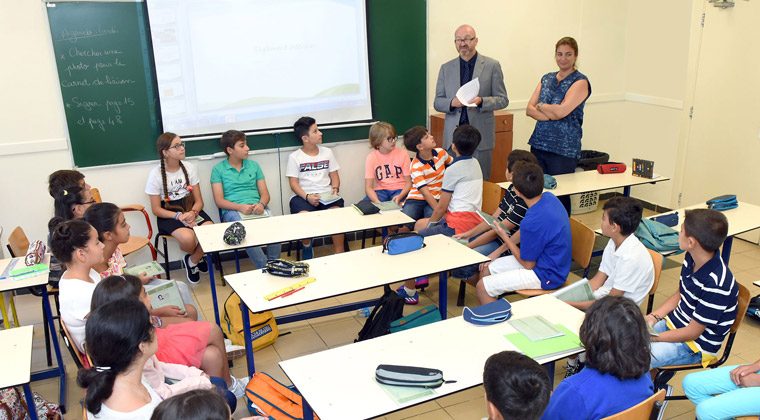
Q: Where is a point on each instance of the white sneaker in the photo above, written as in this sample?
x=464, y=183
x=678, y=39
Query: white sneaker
x=238, y=386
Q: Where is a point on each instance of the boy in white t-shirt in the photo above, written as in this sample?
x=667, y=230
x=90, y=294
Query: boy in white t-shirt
x=313, y=173
x=626, y=268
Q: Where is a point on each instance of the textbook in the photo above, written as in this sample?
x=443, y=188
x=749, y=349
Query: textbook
x=17, y=270
x=166, y=294
x=328, y=198
x=580, y=291
x=151, y=269
x=535, y=328
x=566, y=343
x=387, y=205
x=251, y=216
x=490, y=221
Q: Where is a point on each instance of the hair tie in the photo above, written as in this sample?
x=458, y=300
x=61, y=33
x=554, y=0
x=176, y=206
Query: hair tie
x=102, y=368
x=65, y=193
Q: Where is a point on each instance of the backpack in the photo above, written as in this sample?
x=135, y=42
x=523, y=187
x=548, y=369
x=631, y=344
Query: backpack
x=388, y=309
x=268, y=397
x=657, y=236
x=13, y=406
x=263, y=326
x=753, y=309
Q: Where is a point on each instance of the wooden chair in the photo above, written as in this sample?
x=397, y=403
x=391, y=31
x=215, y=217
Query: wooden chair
x=11, y=302
x=643, y=410
x=492, y=195
x=18, y=243
x=82, y=360
x=666, y=372
x=583, y=246
x=657, y=262
x=135, y=242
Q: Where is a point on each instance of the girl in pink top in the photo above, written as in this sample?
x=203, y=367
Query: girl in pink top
x=387, y=174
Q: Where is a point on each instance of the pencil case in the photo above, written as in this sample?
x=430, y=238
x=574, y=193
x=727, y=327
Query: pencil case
x=669, y=219
x=401, y=243
x=488, y=314
x=723, y=202
x=35, y=253
x=412, y=376
x=611, y=168
x=285, y=268
x=234, y=234
x=550, y=182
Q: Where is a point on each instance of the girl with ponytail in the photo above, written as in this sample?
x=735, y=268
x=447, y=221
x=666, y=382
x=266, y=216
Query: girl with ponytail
x=121, y=339
x=175, y=199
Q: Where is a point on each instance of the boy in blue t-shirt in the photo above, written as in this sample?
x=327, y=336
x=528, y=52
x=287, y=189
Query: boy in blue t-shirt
x=693, y=322
x=543, y=259
x=240, y=189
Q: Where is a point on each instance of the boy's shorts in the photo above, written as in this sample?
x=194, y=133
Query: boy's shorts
x=299, y=204
x=508, y=275
x=385, y=195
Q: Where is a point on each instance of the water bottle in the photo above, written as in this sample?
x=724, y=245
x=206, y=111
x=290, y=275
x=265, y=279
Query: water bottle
x=364, y=312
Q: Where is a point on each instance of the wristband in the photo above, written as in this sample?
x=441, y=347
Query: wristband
x=177, y=215
x=657, y=317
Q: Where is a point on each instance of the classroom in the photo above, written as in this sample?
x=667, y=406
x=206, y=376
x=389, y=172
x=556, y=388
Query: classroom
x=669, y=85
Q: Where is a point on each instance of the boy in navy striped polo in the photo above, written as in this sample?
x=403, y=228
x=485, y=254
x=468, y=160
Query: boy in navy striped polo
x=693, y=322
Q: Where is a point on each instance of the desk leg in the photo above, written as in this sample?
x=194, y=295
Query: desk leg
x=210, y=262
x=54, y=339
x=248, y=338
x=308, y=414
x=627, y=191
x=443, y=291
x=385, y=232
x=726, y=252
x=550, y=370
x=30, y=401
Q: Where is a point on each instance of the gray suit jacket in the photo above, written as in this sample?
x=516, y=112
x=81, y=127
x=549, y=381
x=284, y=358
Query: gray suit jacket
x=492, y=90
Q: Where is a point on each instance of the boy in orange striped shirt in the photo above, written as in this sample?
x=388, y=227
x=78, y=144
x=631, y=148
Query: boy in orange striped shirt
x=426, y=171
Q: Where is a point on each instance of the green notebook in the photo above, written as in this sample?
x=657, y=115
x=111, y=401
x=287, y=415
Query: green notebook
x=251, y=216
x=580, y=291
x=166, y=294
x=151, y=269
x=404, y=394
x=549, y=347
x=387, y=205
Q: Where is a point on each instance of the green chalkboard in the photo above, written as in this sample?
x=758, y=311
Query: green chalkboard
x=107, y=79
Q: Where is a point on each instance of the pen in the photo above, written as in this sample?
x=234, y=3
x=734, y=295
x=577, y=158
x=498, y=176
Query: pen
x=291, y=292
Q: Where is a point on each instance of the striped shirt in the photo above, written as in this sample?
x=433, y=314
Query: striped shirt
x=513, y=208
x=428, y=173
x=709, y=296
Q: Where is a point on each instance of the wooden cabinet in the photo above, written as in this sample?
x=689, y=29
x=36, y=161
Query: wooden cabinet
x=502, y=141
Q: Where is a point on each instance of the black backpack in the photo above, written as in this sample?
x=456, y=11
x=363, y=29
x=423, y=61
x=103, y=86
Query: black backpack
x=388, y=309
x=753, y=310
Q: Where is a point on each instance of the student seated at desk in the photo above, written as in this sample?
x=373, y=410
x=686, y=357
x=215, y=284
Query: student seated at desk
x=113, y=230
x=198, y=404
x=616, y=376
x=725, y=392
x=694, y=321
x=65, y=178
x=543, y=259
x=386, y=169
x=426, y=171
x=312, y=172
x=510, y=213
x=72, y=202
x=239, y=187
x=121, y=341
x=516, y=386
x=175, y=199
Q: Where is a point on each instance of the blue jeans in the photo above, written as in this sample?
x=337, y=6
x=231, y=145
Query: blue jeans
x=718, y=397
x=385, y=195
x=667, y=354
x=221, y=387
x=256, y=254
x=417, y=209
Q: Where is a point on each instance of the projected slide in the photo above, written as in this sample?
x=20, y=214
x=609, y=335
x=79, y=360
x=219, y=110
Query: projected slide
x=259, y=64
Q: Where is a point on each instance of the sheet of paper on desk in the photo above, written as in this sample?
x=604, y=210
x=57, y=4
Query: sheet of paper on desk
x=549, y=347
x=580, y=291
x=468, y=92
x=404, y=394
x=535, y=328
x=251, y=216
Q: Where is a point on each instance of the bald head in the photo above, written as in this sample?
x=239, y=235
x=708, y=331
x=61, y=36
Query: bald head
x=465, y=41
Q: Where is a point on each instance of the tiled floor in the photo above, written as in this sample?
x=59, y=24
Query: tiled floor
x=314, y=335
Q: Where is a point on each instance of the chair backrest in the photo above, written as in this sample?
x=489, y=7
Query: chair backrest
x=96, y=195
x=82, y=359
x=640, y=411
x=583, y=242
x=657, y=262
x=492, y=195
x=741, y=308
x=18, y=242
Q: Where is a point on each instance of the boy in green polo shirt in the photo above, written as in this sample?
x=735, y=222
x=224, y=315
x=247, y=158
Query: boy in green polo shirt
x=240, y=190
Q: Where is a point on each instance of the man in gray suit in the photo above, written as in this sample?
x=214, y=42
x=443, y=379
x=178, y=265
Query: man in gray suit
x=492, y=94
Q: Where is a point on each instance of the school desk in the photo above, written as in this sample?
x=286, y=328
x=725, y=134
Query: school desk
x=291, y=227
x=349, y=272
x=41, y=280
x=16, y=362
x=586, y=181
x=339, y=383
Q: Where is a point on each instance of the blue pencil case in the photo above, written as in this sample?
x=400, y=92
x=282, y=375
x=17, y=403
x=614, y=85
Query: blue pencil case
x=488, y=314
x=723, y=202
x=668, y=219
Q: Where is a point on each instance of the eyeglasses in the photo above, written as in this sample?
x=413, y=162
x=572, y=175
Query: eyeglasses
x=464, y=40
x=180, y=145
x=391, y=139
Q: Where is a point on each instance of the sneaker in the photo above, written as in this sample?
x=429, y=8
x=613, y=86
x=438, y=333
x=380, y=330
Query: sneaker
x=237, y=386
x=668, y=392
x=571, y=370
x=421, y=282
x=409, y=300
x=202, y=265
x=193, y=276
x=233, y=351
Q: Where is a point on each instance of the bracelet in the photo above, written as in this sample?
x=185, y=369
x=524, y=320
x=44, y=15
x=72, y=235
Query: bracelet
x=657, y=317
x=177, y=215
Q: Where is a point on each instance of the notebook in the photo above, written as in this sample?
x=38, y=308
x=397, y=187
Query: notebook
x=151, y=269
x=328, y=198
x=251, y=216
x=387, y=205
x=580, y=291
x=562, y=345
x=166, y=294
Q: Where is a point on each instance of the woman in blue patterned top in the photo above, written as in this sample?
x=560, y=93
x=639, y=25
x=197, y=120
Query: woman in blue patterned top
x=557, y=106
